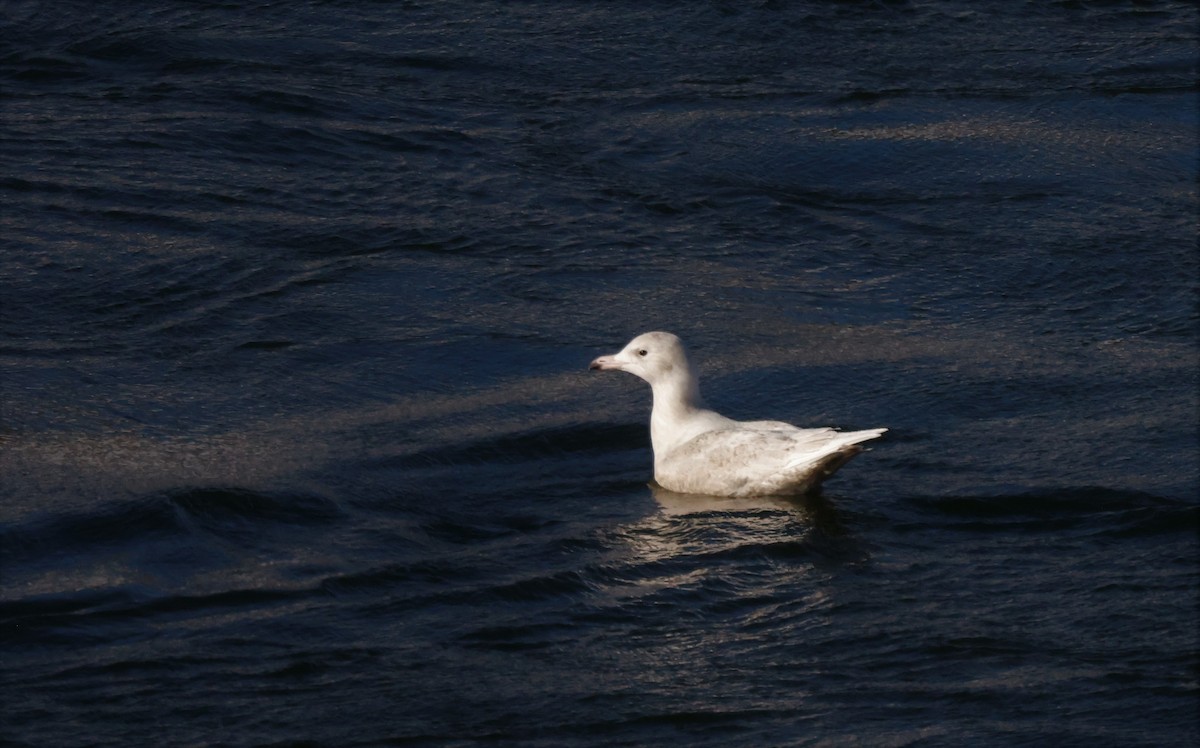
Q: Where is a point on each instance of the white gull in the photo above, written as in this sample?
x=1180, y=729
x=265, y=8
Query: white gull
x=699, y=451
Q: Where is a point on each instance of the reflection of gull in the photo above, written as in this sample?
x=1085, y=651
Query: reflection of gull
x=787, y=529
x=699, y=451
x=813, y=510
x=674, y=504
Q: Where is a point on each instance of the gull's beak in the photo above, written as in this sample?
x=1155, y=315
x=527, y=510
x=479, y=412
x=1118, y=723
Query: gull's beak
x=605, y=363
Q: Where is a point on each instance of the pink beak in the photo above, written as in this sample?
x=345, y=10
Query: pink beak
x=605, y=363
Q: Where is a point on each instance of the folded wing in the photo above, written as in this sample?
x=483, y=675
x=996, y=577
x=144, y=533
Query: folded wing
x=759, y=458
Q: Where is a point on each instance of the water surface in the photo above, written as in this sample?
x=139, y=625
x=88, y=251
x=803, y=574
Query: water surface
x=298, y=445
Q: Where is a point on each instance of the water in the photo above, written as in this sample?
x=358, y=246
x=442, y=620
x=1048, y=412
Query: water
x=299, y=445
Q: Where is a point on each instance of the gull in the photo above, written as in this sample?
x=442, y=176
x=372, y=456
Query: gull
x=699, y=451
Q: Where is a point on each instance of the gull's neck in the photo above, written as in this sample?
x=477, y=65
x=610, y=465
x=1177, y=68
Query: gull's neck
x=676, y=400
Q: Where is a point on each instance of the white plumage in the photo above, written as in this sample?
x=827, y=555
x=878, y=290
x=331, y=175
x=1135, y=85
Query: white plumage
x=699, y=451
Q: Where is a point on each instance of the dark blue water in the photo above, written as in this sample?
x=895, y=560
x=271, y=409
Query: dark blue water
x=298, y=445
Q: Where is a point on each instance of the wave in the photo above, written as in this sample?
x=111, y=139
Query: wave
x=1090, y=509
x=229, y=513
x=533, y=444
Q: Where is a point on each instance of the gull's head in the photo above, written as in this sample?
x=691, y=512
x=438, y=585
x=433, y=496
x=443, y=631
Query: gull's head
x=651, y=356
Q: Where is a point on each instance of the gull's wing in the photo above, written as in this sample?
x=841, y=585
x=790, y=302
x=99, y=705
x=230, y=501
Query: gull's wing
x=758, y=458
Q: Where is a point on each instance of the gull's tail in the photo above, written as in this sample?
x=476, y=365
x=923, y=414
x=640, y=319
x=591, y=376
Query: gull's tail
x=809, y=471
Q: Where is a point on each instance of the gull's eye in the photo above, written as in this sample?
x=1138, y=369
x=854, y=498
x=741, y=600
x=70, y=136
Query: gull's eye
x=642, y=352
